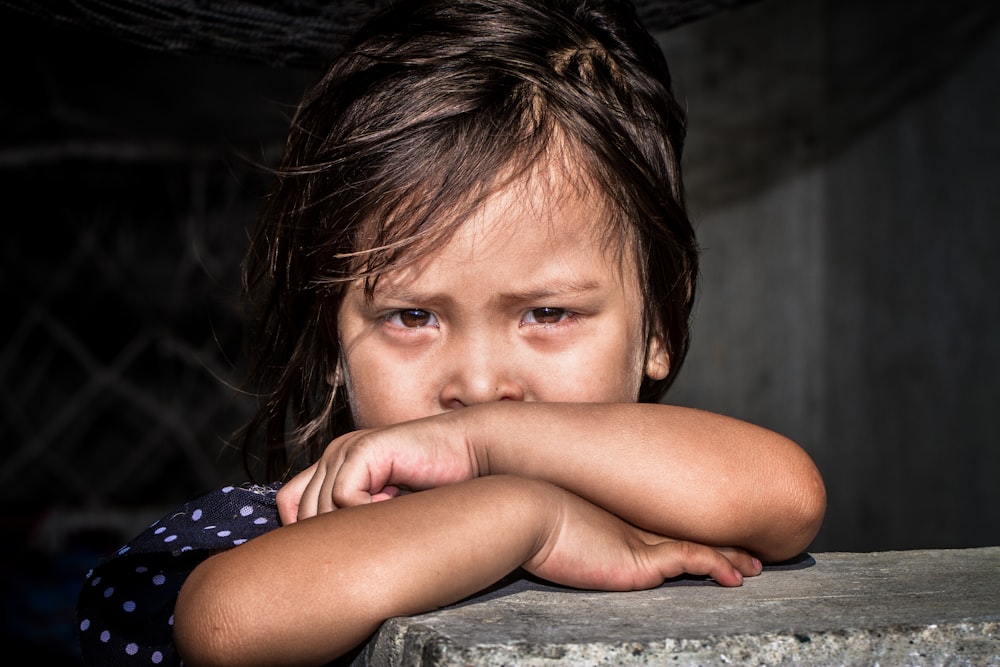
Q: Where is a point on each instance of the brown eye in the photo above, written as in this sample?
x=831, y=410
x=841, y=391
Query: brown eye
x=545, y=315
x=412, y=318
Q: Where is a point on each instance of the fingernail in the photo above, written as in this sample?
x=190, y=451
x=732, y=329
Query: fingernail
x=739, y=575
x=757, y=565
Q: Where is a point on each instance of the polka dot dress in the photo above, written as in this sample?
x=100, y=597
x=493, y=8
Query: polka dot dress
x=126, y=606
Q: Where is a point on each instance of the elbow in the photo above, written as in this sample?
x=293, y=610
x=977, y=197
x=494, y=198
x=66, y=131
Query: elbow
x=804, y=516
x=812, y=509
x=795, y=516
x=206, y=634
x=224, y=617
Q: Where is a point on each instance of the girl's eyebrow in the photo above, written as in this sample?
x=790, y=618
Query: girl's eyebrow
x=549, y=290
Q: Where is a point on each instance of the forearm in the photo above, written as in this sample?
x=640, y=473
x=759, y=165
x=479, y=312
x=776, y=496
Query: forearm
x=675, y=471
x=313, y=590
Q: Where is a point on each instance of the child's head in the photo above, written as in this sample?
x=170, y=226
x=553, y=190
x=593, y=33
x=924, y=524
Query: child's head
x=437, y=109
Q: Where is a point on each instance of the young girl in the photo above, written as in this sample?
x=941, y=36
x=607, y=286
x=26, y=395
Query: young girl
x=473, y=282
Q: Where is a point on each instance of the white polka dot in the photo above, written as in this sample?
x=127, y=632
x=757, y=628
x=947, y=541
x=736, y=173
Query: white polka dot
x=85, y=624
x=105, y=636
x=170, y=621
x=239, y=542
x=90, y=573
x=260, y=521
x=159, y=530
x=131, y=649
x=227, y=489
x=212, y=527
x=96, y=581
x=158, y=580
x=124, y=550
x=170, y=538
x=129, y=606
x=156, y=658
x=196, y=515
x=141, y=569
x=246, y=510
x=224, y=533
x=185, y=548
x=108, y=592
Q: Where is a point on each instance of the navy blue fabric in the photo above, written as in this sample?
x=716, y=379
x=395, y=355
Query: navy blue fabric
x=126, y=605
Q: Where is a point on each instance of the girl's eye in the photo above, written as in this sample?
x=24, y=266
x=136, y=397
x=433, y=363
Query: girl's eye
x=545, y=316
x=412, y=318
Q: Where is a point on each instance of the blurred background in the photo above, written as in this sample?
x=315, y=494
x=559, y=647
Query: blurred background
x=842, y=170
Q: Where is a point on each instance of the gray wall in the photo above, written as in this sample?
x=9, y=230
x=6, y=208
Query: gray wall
x=842, y=166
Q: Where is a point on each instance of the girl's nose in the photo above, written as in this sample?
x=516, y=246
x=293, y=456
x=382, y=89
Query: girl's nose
x=480, y=371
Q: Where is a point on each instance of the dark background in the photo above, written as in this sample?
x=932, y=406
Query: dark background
x=842, y=169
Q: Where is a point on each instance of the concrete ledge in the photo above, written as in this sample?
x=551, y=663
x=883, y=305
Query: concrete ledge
x=935, y=607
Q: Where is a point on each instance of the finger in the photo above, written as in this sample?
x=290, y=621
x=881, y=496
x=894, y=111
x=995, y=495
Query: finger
x=325, y=501
x=385, y=494
x=309, y=503
x=289, y=497
x=748, y=565
x=361, y=475
x=677, y=558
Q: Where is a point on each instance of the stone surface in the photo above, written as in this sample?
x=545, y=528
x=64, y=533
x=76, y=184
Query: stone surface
x=921, y=607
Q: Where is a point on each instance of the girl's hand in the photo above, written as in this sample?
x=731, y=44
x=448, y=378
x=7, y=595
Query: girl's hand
x=587, y=547
x=377, y=464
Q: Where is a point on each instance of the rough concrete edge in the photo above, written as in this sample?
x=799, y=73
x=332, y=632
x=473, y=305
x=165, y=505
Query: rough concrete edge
x=405, y=642
x=962, y=644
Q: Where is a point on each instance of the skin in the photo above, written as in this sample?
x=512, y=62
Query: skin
x=495, y=381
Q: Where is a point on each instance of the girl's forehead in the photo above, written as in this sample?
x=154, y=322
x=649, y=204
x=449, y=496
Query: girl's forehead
x=534, y=234
x=555, y=196
x=538, y=207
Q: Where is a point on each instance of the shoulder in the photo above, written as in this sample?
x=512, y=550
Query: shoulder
x=221, y=519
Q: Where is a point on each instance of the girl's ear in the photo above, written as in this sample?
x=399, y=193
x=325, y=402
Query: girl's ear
x=657, y=359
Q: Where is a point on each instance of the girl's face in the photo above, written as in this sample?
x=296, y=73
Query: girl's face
x=523, y=303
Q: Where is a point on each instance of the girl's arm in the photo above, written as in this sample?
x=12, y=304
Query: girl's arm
x=309, y=592
x=686, y=473
x=682, y=472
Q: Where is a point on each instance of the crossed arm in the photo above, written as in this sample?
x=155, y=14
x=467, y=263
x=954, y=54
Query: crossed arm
x=609, y=497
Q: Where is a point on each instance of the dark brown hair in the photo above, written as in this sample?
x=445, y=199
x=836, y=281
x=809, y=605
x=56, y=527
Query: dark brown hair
x=433, y=106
